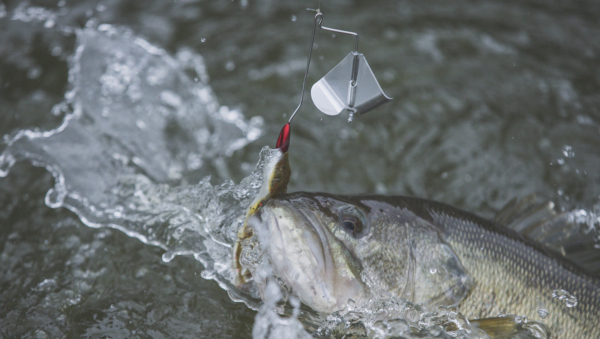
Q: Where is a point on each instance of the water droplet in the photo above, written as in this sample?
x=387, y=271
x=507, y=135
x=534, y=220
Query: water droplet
x=294, y=18
x=568, y=298
x=568, y=151
x=49, y=23
x=56, y=51
x=171, y=98
x=344, y=134
x=389, y=75
x=168, y=256
x=543, y=313
x=561, y=161
x=55, y=197
x=202, y=39
x=351, y=116
x=230, y=65
x=585, y=120
x=433, y=270
x=34, y=72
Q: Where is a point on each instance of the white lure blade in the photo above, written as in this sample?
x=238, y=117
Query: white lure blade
x=334, y=93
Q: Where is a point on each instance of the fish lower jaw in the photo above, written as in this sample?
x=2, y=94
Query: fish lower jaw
x=306, y=281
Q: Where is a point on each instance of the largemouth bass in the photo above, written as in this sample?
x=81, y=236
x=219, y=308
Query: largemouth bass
x=328, y=249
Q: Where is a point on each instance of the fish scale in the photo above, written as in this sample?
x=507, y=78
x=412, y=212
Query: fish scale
x=515, y=277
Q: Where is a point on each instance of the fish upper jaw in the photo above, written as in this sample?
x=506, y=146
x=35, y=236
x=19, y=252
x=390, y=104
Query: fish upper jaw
x=303, y=252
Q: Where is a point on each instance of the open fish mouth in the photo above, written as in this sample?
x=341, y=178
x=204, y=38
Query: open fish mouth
x=293, y=236
x=314, y=234
x=303, y=253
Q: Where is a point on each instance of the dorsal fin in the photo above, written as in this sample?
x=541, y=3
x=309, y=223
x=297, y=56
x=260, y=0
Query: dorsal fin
x=539, y=222
x=525, y=214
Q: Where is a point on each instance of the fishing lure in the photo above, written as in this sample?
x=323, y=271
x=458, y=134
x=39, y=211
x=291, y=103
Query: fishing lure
x=350, y=86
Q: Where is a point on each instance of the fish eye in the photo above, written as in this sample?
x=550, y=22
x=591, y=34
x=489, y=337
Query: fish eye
x=353, y=222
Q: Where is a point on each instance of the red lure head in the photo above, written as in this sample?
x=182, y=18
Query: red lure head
x=283, y=142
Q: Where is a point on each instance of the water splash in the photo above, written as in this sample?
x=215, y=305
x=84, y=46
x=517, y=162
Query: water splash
x=135, y=125
x=589, y=222
x=179, y=122
x=392, y=317
x=199, y=226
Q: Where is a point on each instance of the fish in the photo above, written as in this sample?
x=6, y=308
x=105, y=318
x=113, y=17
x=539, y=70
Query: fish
x=328, y=249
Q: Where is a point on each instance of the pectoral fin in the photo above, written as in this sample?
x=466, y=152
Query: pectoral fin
x=507, y=328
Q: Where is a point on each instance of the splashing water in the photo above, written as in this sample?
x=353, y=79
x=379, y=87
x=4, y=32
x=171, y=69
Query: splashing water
x=134, y=127
x=589, y=222
x=134, y=124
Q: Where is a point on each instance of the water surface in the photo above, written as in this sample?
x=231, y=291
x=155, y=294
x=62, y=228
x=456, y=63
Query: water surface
x=492, y=100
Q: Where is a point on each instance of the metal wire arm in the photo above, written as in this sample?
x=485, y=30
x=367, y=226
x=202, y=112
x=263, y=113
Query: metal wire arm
x=318, y=22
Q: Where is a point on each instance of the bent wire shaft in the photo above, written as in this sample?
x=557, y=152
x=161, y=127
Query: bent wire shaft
x=319, y=22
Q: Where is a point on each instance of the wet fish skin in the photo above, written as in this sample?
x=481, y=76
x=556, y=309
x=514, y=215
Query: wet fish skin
x=431, y=253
